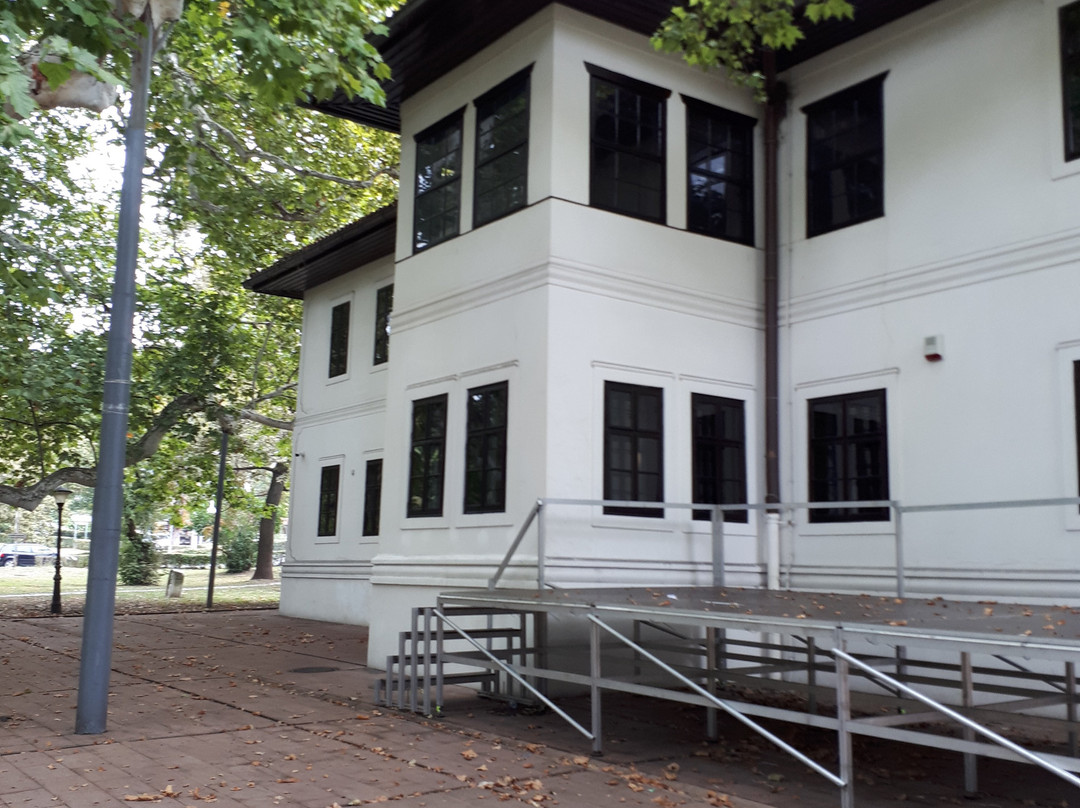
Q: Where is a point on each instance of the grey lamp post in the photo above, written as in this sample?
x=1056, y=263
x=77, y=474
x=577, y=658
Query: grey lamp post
x=60, y=495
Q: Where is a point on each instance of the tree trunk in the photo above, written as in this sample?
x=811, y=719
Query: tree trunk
x=264, y=562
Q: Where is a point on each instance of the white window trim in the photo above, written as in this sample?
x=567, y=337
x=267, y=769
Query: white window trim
x=323, y=462
x=350, y=346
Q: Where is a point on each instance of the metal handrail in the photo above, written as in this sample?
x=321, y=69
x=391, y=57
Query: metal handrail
x=723, y=705
x=513, y=674
x=889, y=681
x=896, y=507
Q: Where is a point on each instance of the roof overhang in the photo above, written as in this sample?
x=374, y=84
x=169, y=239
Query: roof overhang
x=429, y=38
x=350, y=247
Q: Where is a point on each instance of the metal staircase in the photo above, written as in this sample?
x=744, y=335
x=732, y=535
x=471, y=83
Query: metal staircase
x=461, y=646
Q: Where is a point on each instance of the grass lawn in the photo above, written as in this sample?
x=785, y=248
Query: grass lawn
x=27, y=592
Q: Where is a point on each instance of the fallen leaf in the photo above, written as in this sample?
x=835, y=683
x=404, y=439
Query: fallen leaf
x=142, y=798
x=469, y=754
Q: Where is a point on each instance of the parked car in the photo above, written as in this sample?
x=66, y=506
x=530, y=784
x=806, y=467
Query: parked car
x=25, y=555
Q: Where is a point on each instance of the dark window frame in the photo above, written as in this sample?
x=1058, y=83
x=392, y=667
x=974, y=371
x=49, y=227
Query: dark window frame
x=1069, y=32
x=1076, y=411
x=329, y=496
x=712, y=485
x=737, y=169
x=485, y=448
x=340, y=316
x=488, y=108
x=384, y=307
x=616, y=149
x=634, y=435
x=372, y=497
x=861, y=169
x=852, y=471
x=427, y=457
x=445, y=140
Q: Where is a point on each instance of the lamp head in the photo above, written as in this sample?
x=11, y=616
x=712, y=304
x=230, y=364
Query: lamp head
x=61, y=496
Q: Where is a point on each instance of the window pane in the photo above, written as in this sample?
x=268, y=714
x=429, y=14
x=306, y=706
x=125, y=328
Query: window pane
x=845, y=148
x=485, y=449
x=372, y=497
x=720, y=173
x=848, y=456
x=426, y=457
x=438, y=187
x=719, y=455
x=627, y=155
x=502, y=133
x=384, y=305
x=633, y=447
x=339, y=339
x=328, y=500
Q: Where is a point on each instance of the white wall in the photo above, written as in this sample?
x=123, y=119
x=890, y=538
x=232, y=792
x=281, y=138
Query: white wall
x=979, y=244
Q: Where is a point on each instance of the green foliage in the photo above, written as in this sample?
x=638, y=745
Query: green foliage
x=730, y=33
x=285, y=50
x=237, y=175
x=238, y=552
x=138, y=562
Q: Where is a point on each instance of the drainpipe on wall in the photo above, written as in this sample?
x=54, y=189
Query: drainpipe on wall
x=775, y=109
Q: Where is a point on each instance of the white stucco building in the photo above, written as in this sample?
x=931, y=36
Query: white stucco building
x=593, y=296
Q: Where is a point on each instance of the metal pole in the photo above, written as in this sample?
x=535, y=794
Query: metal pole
x=718, y=548
x=217, y=517
x=97, y=638
x=899, y=512
x=56, y=578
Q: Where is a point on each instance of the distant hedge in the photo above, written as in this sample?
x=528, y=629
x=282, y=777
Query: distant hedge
x=187, y=559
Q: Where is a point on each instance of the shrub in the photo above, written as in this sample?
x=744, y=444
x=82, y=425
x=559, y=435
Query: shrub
x=138, y=562
x=239, y=553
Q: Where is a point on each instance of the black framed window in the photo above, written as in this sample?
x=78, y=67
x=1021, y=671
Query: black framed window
x=627, y=125
x=427, y=457
x=329, y=481
x=1076, y=409
x=502, y=149
x=384, y=305
x=845, y=158
x=485, y=449
x=719, y=454
x=633, y=447
x=849, y=456
x=437, y=206
x=339, y=339
x=1069, y=23
x=720, y=172
x=372, y=497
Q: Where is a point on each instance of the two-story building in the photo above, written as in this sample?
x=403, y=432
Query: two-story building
x=613, y=276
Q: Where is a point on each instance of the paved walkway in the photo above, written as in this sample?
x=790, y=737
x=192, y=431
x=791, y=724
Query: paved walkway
x=256, y=709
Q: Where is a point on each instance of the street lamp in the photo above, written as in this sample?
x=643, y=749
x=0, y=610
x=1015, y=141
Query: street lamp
x=60, y=495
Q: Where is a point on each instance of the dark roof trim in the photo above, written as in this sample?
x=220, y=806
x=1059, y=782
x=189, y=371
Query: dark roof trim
x=429, y=38
x=330, y=257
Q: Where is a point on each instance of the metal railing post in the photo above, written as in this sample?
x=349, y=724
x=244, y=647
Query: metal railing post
x=898, y=513
x=541, y=549
x=717, y=547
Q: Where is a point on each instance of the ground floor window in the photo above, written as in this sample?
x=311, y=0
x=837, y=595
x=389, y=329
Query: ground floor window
x=719, y=454
x=848, y=456
x=328, y=500
x=372, y=496
x=633, y=447
x=427, y=457
x=485, y=449
x=1076, y=409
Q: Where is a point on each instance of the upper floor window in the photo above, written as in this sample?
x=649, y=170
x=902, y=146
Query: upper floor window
x=626, y=164
x=502, y=149
x=845, y=158
x=339, y=339
x=633, y=447
x=438, y=182
x=485, y=449
x=719, y=454
x=372, y=497
x=384, y=304
x=329, y=481
x=427, y=457
x=720, y=166
x=849, y=459
x=1069, y=18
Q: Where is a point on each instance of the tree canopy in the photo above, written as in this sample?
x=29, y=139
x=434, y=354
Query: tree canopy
x=237, y=175
x=730, y=34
